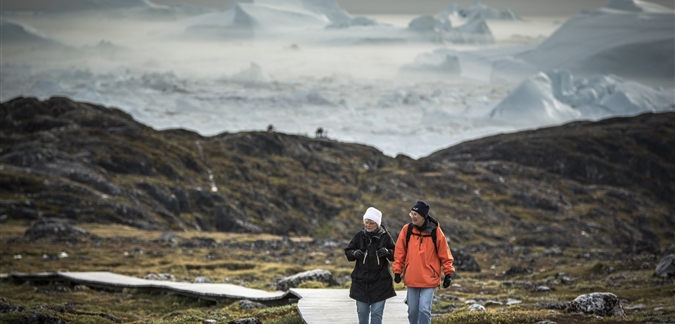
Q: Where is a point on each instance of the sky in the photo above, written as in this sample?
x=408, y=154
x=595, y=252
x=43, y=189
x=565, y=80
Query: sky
x=522, y=7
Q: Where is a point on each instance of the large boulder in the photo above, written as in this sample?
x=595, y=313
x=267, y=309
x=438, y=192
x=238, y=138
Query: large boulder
x=319, y=275
x=600, y=304
x=666, y=268
x=465, y=261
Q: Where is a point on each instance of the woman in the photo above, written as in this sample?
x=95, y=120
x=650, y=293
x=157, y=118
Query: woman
x=372, y=248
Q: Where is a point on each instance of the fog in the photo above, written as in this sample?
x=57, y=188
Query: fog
x=158, y=46
x=370, y=79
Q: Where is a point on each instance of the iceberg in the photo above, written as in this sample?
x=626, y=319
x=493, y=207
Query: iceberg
x=628, y=38
x=477, y=8
x=557, y=96
x=439, y=29
x=249, y=18
x=534, y=103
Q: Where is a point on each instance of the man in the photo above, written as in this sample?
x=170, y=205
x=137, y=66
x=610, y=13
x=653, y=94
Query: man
x=420, y=251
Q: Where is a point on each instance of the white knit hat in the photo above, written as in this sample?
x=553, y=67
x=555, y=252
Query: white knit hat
x=374, y=215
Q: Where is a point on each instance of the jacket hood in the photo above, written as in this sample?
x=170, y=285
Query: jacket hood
x=429, y=225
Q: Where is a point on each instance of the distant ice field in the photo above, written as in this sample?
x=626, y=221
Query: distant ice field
x=364, y=84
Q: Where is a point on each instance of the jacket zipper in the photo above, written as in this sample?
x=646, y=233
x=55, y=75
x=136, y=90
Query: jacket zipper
x=366, y=255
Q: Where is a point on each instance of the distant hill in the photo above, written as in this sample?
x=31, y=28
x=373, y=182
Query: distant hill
x=608, y=184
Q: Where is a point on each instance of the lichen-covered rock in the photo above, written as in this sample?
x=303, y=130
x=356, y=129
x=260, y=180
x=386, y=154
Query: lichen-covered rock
x=666, y=268
x=477, y=308
x=312, y=275
x=250, y=320
x=600, y=304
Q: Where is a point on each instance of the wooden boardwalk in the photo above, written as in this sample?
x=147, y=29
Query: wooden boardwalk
x=207, y=291
x=316, y=306
x=319, y=306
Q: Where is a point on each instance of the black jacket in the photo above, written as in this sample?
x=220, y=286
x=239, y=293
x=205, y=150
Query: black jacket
x=371, y=278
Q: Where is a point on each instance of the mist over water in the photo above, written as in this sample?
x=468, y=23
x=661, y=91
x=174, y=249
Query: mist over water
x=349, y=81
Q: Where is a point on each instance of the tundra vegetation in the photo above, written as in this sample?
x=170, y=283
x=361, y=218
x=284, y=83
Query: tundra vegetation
x=518, y=286
x=535, y=218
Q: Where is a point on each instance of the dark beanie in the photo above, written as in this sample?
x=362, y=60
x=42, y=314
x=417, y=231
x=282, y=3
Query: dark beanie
x=421, y=208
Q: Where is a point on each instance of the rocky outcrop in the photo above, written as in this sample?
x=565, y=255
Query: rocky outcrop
x=581, y=185
x=624, y=152
x=56, y=230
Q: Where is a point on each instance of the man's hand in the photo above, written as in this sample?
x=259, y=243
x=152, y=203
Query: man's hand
x=397, y=278
x=447, y=281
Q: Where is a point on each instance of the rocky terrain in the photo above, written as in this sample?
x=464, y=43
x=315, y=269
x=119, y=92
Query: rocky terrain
x=542, y=223
x=608, y=184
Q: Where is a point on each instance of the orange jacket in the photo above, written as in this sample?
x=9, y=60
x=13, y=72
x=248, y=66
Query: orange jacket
x=418, y=263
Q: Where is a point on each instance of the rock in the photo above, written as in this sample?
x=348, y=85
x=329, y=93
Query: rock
x=312, y=275
x=160, y=276
x=183, y=200
x=20, y=209
x=230, y=220
x=600, y=304
x=202, y=280
x=464, y=261
x=564, y=279
x=515, y=270
x=542, y=289
x=169, y=237
x=56, y=230
x=666, y=268
x=477, y=308
x=250, y=320
x=510, y=301
x=166, y=200
x=247, y=304
x=554, y=251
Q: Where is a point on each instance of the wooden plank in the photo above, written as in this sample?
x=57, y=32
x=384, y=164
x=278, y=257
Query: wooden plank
x=209, y=290
x=334, y=306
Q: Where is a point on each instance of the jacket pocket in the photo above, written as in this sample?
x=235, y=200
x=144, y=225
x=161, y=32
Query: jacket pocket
x=432, y=273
